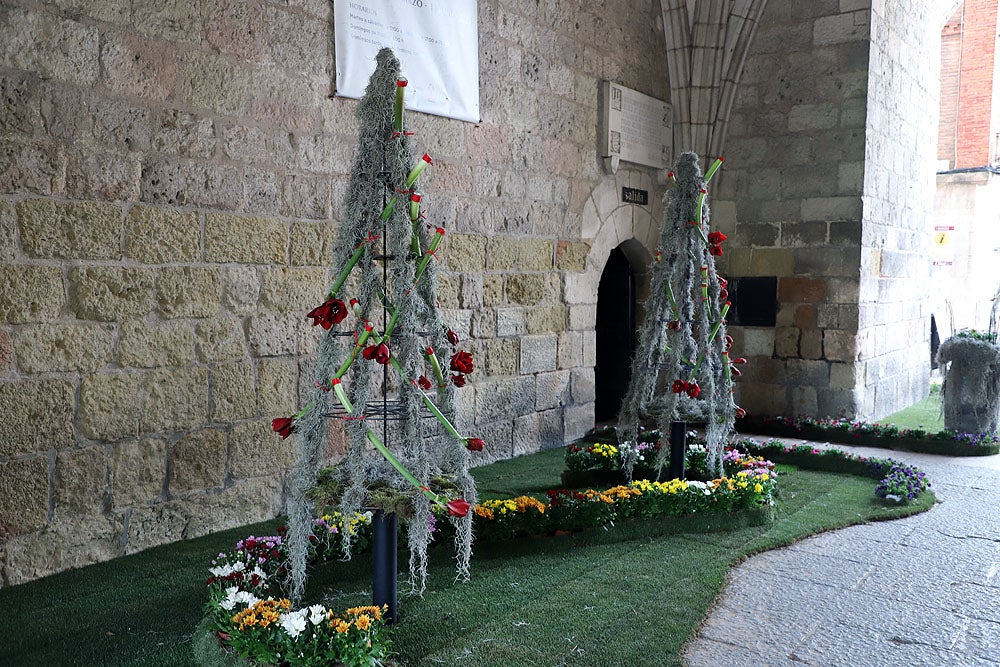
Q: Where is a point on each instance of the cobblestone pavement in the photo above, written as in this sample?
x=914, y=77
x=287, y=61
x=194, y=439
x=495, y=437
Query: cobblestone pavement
x=920, y=591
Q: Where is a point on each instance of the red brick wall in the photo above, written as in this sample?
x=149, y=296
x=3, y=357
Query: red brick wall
x=968, y=48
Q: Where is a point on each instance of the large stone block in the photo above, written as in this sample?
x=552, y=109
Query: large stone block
x=35, y=167
x=570, y=349
x=189, y=291
x=24, y=495
x=184, y=182
x=161, y=236
x=840, y=346
x=545, y=319
x=312, y=243
x=137, y=66
x=110, y=293
x=62, y=545
x=182, y=133
x=174, y=399
x=506, y=398
x=109, y=406
x=8, y=223
x=572, y=255
x=466, y=253
x=144, y=344
x=39, y=416
x=81, y=481
x=258, y=451
x=220, y=339
x=274, y=335
x=154, y=525
x=493, y=290
x=526, y=289
x=53, y=230
x=246, y=501
x=138, y=472
x=786, y=342
x=803, y=372
x=45, y=348
x=241, y=289
x=538, y=353
x=116, y=124
x=6, y=352
x=276, y=387
x=552, y=390
x=290, y=290
x=501, y=254
x=583, y=387
x=577, y=420
x=233, y=391
x=104, y=176
x=535, y=255
x=501, y=357
x=198, y=461
x=51, y=46
x=245, y=240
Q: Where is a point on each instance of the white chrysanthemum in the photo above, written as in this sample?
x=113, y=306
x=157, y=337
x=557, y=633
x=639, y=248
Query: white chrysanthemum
x=293, y=623
x=317, y=614
x=235, y=596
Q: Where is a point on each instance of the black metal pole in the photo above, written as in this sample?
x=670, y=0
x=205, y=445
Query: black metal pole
x=678, y=449
x=384, y=564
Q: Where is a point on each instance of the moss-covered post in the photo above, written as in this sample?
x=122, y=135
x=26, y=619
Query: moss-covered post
x=682, y=371
x=380, y=369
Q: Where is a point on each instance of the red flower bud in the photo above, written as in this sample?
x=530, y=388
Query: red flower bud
x=461, y=362
x=475, y=444
x=678, y=386
x=379, y=353
x=458, y=507
x=452, y=337
x=716, y=238
x=415, y=197
x=458, y=380
x=740, y=412
x=283, y=426
x=401, y=82
x=427, y=158
x=330, y=312
x=424, y=382
x=693, y=389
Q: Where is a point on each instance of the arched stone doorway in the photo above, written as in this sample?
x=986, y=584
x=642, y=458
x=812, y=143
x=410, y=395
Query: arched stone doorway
x=615, y=335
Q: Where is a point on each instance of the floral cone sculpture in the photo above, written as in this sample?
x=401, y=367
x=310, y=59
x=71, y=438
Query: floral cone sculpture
x=385, y=257
x=681, y=369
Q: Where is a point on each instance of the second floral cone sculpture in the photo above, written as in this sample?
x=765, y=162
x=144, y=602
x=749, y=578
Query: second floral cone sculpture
x=682, y=370
x=384, y=361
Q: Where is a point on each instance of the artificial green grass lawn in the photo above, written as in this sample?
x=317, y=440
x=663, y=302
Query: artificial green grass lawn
x=925, y=415
x=549, y=601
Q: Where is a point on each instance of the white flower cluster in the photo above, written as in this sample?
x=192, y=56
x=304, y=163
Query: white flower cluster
x=239, y=566
x=235, y=596
x=294, y=622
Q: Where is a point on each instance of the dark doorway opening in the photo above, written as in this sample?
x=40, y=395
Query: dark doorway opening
x=615, y=335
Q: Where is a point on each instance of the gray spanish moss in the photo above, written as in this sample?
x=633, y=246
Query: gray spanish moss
x=971, y=390
x=380, y=168
x=663, y=355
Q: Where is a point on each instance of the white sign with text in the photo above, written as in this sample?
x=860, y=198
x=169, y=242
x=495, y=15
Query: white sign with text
x=436, y=41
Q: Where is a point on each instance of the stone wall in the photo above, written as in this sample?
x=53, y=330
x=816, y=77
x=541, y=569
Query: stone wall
x=893, y=340
x=171, y=176
x=790, y=198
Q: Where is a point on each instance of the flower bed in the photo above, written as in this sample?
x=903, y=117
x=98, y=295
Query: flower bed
x=254, y=624
x=886, y=436
x=898, y=482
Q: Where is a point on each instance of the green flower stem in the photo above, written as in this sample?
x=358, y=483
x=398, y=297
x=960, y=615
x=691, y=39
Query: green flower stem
x=704, y=282
x=425, y=260
x=362, y=339
x=673, y=301
x=417, y=170
x=415, y=221
x=701, y=232
x=351, y=263
x=400, y=92
x=338, y=389
x=387, y=211
x=302, y=413
x=432, y=357
x=701, y=213
x=398, y=465
x=711, y=339
x=729, y=369
x=714, y=168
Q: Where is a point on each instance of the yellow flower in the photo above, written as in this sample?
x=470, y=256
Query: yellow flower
x=363, y=622
x=757, y=488
x=340, y=625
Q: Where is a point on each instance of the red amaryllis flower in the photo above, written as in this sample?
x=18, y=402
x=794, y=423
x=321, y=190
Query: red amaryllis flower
x=283, y=426
x=716, y=238
x=674, y=325
x=328, y=313
x=458, y=507
x=452, y=337
x=458, y=380
x=475, y=444
x=461, y=361
x=693, y=389
x=379, y=353
x=424, y=382
x=678, y=386
x=715, y=250
x=723, y=294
